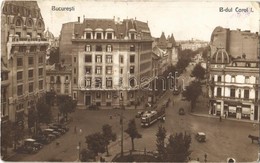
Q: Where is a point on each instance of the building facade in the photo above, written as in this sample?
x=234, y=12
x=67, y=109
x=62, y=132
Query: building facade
x=233, y=87
x=237, y=43
x=110, y=60
x=23, y=52
x=167, y=50
x=58, y=79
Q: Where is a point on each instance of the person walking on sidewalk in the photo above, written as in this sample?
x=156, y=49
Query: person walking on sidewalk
x=220, y=118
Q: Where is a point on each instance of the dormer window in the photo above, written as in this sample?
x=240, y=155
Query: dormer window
x=29, y=23
x=132, y=36
x=88, y=35
x=99, y=35
x=109, y=35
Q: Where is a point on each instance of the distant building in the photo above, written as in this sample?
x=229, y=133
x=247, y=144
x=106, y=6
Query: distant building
x=237, y=43
x=233, y=83
x=193, y=44
x=23, y=52
x=58, y=79
x=108, y=57
x=167, y=50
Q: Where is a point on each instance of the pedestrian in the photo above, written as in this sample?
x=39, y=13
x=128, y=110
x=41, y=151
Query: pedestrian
x=225, y=115
x=75, y=129
x=220, y=119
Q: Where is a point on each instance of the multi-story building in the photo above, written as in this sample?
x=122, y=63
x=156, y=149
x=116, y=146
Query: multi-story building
x=193, y=44
x=108, y=58
x=58, y=79
x=237, y=43
x=23, y=52
x=167, y=50
x=233, y=84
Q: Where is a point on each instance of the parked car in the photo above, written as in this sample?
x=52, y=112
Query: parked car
x=29, y=146
x=56, y=128
x=53, y=132
x=181, y=111
x=61, y=126
x=200, y=137
x=139, y=114
x=41, y=138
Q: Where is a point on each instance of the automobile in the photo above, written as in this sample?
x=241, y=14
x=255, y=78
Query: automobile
x=41, y=138
x=33, y=142
x=29, y=146
x=181, y=111
x=139, y=114
x=61, y=126
x=27, y=149
x=200, y=137
x=56, y=128
x=51, y=131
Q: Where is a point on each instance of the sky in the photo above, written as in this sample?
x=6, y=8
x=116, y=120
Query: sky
x=185, y=20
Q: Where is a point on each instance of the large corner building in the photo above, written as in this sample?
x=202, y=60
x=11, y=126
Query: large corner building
x=110, y=60
x=234, y=74
x=23, y=52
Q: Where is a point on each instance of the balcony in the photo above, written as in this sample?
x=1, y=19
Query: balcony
x=14, y=40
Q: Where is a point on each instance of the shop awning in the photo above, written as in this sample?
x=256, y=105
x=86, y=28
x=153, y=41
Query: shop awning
x=232, y=109
x=246, y=110
x=233, y=103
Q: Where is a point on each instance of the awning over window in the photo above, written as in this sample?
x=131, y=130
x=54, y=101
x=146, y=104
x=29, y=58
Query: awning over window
x=232, y=109
x=246, y=110
x=233, y=103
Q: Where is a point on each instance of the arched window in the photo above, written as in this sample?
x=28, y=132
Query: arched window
x=18, y=22
x=29, y=23
x=39, y=24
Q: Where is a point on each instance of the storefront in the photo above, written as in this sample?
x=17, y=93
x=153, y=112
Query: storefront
x=246, y=111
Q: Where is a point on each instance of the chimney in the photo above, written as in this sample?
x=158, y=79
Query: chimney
x=238, y=29
x=78, y=19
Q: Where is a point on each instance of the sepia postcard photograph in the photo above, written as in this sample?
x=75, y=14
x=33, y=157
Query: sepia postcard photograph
x=130, y=81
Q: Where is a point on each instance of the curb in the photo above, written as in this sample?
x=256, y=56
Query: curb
x=211, y=116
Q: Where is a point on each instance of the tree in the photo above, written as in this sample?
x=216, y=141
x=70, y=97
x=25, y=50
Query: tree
x=192, y=93
x=6, y=138
x=96, y=143
x=86, y=155
x=66, y=105
x=198, y=72
x=132, y=132
x=178, y=147
x=161, y=135
x=108, y=135
x=44, y=111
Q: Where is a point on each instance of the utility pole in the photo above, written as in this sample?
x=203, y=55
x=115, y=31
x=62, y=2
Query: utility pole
x=122, y=132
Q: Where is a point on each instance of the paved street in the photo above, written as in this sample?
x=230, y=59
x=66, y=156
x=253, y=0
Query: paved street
x=224, y=139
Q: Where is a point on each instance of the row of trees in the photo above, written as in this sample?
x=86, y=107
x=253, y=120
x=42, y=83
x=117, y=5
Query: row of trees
x=177, y=149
